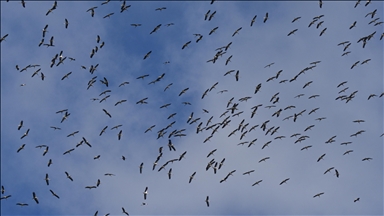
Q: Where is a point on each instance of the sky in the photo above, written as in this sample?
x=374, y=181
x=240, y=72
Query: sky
x=301, y=92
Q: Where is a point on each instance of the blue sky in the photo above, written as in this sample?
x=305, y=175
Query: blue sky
x=121, y=60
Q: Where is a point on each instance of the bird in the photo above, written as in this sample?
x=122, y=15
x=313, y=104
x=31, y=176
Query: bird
x=292, y=32
x=155, y=29
x=191, y=177
x=186, y=44
x=211, y=16
x=107, y=113
x=49, y=162
x=318, y=195
x=322, y=31
x=337, y=173
x=328, y=170
x=145, y=193
x=256, y=183
x=284, y=181
x=237, y=31
x=160, y=9
x=295, y=19
x=357, y=199
x=35, y=197
x=367, y=159
x=119, y=134
x=20, y=125
x=22, y=204
x=183, y=91
x=253, y=20
x=20, y=148
x=125, y=212
x=54, y=194
x=147, y=55
x=47, y=179
x=249, y=172
x=353, y=25
x=213, y=30
x=141, y=168
x=108, y=15
x=321, y=157
x=66, y=23
x=25, y=134
x=103, y=131
x=5, y=197
x=265, y=18
x=264, y=159
x=68, y=176
x=207, y=201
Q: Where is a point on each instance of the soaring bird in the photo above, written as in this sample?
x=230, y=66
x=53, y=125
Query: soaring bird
x=183, y=91
x=256, y=183
x=47, y=179
x=68, y=176
x=35, y=197
x=191, y=177
x=213, y=30
x=125, y=212
x=265, y=18
x=66, y=23
x=237, y=31
x=318, y=195
x=21, y=148
x=292, y=32
x=295, y=19
x=211, y=16
x=147, y=55
x=323, y=31
x=20, y=125
x=284, y=181
x=5, y=197
x=207, y=201
x=22, y=204
x=321, y=157
x=107, y=113
x=186, y=44
x=155, y=29
x=25, y=134
x=54, y=194
x=145, y=193
x=253, y=20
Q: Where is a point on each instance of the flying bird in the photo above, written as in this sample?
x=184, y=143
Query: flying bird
x=35, y=197
x=107, y=113
x=253, y=20
x=68, y=176
x=186, y=44
x=191, y=177
x=155, y=29
x=292, y=32
x=145, y=193
x=318, y=195
x=284, y=181
x=147, y=55
x=54, y=194
x=265, y=18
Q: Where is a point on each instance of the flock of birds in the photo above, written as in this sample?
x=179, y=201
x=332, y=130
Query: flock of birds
x=195, y=124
